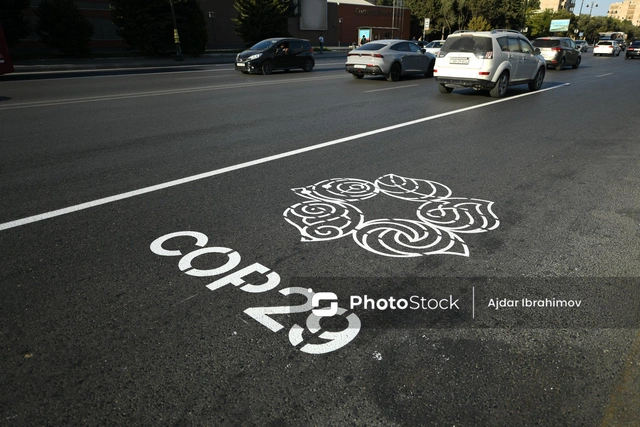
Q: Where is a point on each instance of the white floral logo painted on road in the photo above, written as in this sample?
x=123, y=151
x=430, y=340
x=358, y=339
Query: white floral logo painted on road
x=329, y=213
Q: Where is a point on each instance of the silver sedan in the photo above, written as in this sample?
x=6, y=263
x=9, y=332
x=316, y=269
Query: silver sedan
x=389, y=58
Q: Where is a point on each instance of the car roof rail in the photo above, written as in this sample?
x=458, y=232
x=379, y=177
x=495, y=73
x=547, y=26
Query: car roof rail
x=463, y=31
x=502, y=30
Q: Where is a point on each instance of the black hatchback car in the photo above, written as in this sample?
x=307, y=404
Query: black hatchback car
x=276, y=54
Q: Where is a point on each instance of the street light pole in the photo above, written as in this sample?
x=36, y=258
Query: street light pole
x=591, y=5
x=176, y=38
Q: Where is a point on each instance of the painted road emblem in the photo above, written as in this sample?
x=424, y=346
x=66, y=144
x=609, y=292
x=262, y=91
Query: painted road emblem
x=330, y=213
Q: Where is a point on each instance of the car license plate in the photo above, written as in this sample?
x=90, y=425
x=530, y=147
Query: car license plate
x=359, y=66
x=463, y=61
x=240, y=64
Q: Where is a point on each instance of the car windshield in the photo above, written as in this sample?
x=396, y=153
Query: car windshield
x=546, y=43
x=635, y=44
x=605, y=43
x=371, y=46
x=264, y=44
x=435, y=44
x=475, y=44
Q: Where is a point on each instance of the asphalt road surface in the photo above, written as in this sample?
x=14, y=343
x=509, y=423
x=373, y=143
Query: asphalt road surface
x=194, y=246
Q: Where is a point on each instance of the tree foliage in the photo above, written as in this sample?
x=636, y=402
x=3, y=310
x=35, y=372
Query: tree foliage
x=61, y=25
x=147, y=25
x=447, y=16
x=14, y=24
x=478, y=23
x=261, y=19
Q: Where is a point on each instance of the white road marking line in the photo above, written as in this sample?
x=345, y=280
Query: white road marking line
x=233, y=69
x=136, y=69
x=134, y=73
x=174, y=183
x=604, y=75
x=390, y=88
x=159, y=92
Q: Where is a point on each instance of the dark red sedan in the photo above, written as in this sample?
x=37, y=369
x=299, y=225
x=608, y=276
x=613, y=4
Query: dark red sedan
x=633, y=51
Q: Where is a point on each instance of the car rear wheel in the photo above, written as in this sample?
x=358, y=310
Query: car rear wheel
x=357, y=76
x=444, y=89
x=500, y=89
x=577, y=64
x=560, y=66
x=394, y=73
x=267, y=67
x=537, y=80
x=308, y=65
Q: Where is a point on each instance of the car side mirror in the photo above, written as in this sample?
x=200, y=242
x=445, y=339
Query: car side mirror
x=536, y=51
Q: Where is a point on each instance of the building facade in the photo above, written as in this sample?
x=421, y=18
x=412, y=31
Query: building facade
x=625, y=10
x=341, y=22
x=556, y=5
x=96, y=11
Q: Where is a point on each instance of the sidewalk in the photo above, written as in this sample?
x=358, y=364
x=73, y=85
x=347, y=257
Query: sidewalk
x=79, y=64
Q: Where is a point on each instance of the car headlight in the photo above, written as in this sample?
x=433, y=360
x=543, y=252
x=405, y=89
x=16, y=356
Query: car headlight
x=256, y=56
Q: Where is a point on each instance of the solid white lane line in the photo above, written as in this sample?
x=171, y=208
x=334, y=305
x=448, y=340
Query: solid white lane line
x=130, y=194
x=135, y=72
x=604, y=75
x=390, y=88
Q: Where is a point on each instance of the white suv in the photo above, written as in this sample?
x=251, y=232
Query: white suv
x=488, y=60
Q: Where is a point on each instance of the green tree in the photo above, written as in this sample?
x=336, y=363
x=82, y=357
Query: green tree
x=14, y=24
x=261, y=19
x=478, y=23
x=62, y=26
x=147, y=25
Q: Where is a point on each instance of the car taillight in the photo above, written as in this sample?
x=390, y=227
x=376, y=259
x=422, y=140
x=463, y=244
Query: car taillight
x=375, y=55
x=486, y=55
x=556, y=49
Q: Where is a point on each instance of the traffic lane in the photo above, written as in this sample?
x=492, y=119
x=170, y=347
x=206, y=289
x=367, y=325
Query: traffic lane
x=275, y=126
x=124, y=144
x=391, y=373
x=99, y=310
x=53, y=87
x=115, y=177
x=30, y=87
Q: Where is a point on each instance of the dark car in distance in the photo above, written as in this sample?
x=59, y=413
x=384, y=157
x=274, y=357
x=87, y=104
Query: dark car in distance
x=633, y=51
x=278, y=53
x=558, y=52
